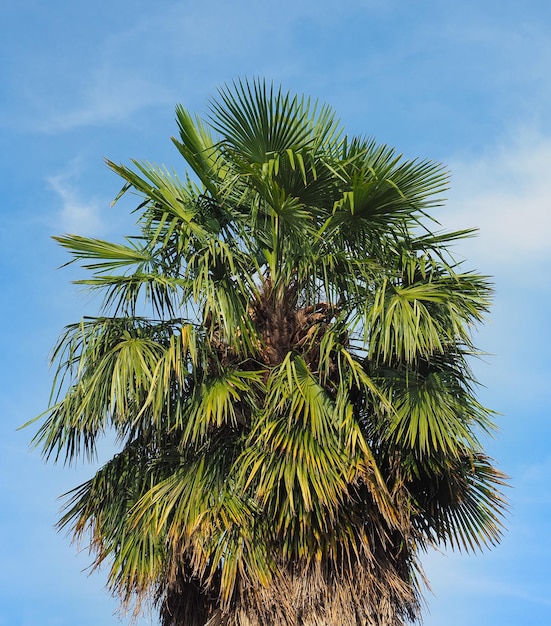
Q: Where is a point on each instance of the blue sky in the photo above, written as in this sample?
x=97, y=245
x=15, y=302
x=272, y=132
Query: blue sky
x=464, y=83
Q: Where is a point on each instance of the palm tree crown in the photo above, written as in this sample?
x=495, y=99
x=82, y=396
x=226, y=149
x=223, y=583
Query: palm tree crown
x=283, y=356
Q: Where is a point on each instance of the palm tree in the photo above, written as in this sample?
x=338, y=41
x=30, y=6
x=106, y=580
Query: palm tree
x=283, y=356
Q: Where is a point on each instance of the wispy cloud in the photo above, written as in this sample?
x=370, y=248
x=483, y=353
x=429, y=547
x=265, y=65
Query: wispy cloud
x=107, y=98
x=464, y=576
x=115, y=76
x=178, y=52
x=76, y=215
x=506, y=193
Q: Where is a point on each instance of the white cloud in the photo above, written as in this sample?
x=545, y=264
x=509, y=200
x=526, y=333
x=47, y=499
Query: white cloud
x=506, y=193
x=192, y=51
x=76, y=215
x=108, y=96
x=108, y=78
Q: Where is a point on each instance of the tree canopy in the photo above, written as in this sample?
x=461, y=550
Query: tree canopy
x=284, y=357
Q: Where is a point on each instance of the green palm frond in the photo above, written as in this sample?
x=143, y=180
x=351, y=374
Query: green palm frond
x=197, y=147
x=257, y=121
